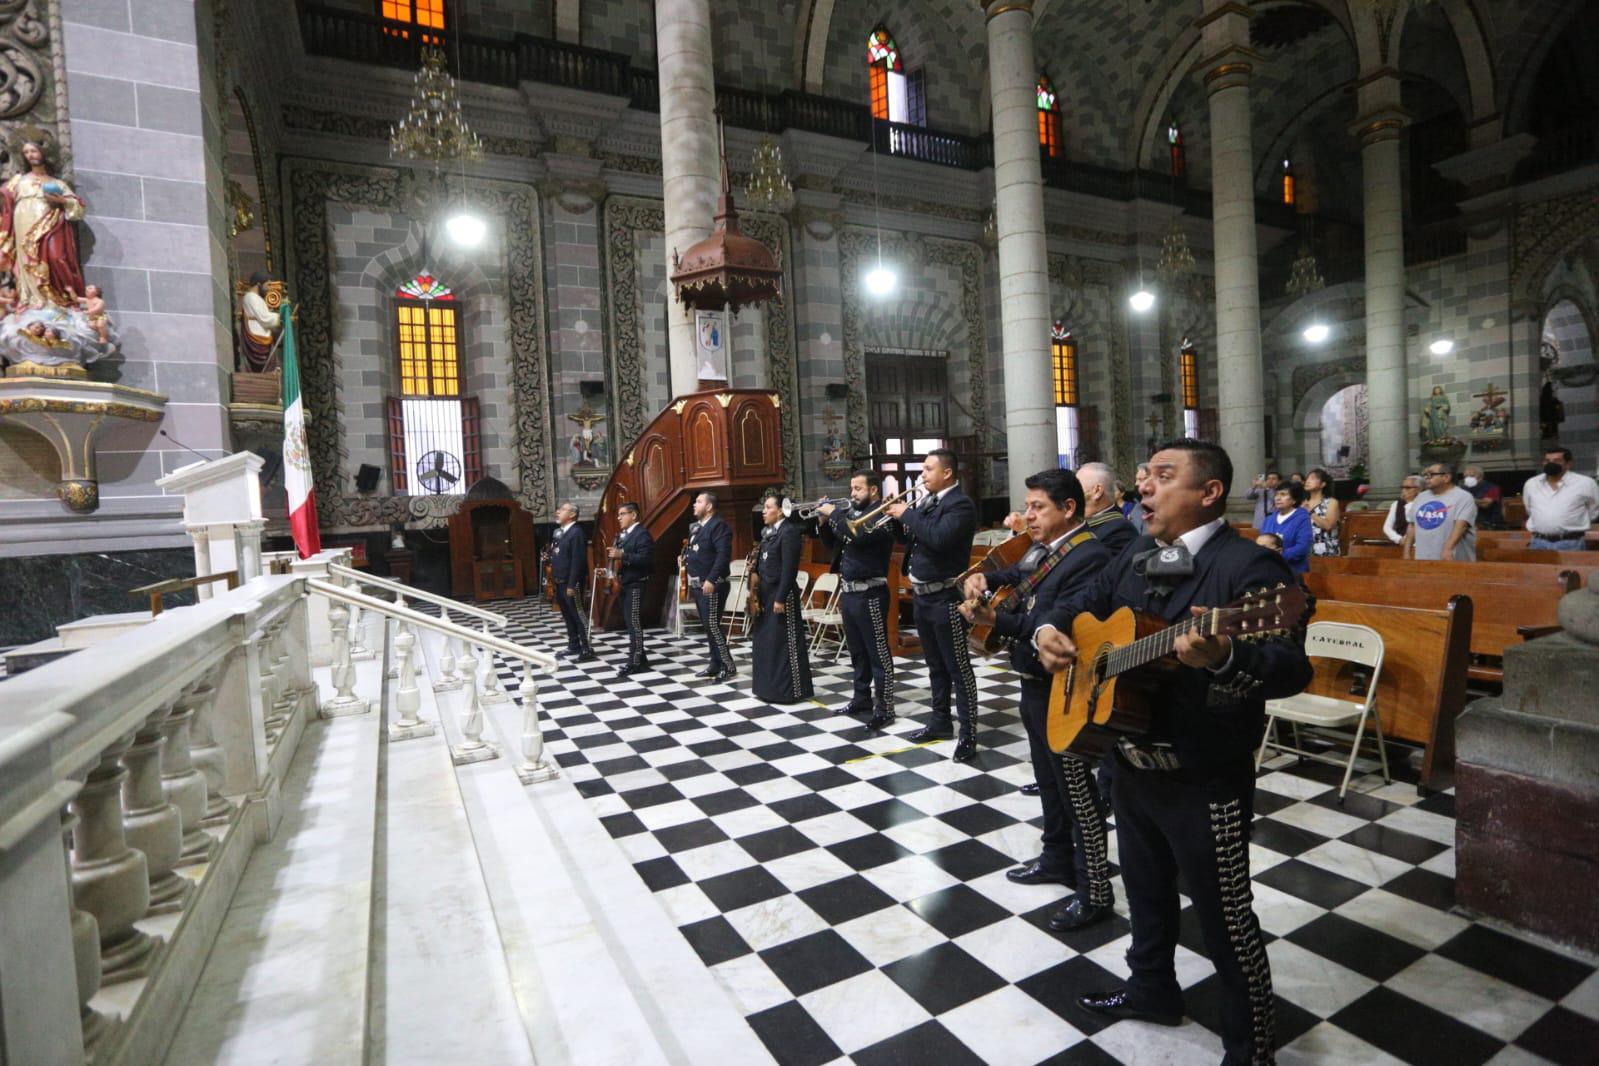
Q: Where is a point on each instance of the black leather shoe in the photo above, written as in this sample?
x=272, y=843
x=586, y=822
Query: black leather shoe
x=1034, y=873
x=724, y=678
x=1078, y=915
x=1030, y=789
x=709, y=675
x=1114, y=1004
x=929, y=733
x=586, y=656
x=624, y=671
x=853, y=711
x=880, y=721
x=965, y=749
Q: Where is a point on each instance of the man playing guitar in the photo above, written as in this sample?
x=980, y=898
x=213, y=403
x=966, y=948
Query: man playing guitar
x=1183, y=793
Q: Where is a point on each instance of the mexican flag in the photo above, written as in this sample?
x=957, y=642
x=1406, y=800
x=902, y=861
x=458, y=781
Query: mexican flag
x=296, y=452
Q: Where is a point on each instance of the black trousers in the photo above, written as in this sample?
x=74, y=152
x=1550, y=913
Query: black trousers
x=632, y=608
x=1074, y=821
x=949, y=664
x=1196, y=825
x=866, y=634
x=710, y=609
x=577, y=638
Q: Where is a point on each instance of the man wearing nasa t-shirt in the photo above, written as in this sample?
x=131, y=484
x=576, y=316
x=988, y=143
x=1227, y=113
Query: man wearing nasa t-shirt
x=1443, y=526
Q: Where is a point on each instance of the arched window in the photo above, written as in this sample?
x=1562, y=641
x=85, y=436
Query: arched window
x=428, y=14
x=1174, y=138
x=433, y=428
x=1189, y=368
x=1290, y=184
x=1048, y=118
x=1063, y=349
x=897, y=96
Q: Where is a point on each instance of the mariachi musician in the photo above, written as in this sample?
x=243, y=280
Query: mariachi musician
x=1065, y=558
x=782, y=660
x=633, y=558
x=569, y=558
x=1184, y=791
x=938, y=532
x=1105, y=520
x=707, y=558
x=862, y=553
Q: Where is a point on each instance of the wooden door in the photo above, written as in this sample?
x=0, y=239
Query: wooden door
x=907, y=399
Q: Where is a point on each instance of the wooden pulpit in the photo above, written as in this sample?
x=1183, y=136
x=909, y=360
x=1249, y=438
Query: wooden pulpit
x=491, y=545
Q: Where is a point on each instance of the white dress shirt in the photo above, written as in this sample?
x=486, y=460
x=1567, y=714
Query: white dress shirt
x=1564, y=510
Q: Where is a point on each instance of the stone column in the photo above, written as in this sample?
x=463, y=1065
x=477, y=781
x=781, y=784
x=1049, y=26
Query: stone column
x=1228, y=66
x=1387, y=381
x=249, y=540
x=689, y=159
x=201, y=536
x=1030, y=436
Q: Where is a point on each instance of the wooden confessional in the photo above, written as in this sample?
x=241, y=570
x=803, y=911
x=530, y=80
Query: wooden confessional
x=726, y=441
x=491, y=545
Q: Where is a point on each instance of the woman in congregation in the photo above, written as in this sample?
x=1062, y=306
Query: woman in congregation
x=1325, y=513
x=1291, y=523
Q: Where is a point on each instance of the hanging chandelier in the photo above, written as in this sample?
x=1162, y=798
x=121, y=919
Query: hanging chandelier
x=727, y=269
x=1176, y=258
x=433, y=129
x=769, y=188
x=1306, y=275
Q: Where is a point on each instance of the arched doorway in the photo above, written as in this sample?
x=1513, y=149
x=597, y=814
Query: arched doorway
x=1568, y=407
x=1345, y=427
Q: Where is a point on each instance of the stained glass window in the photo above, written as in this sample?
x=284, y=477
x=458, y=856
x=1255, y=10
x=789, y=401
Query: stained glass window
x=1290, y=190
x=1174, y=138
x=887, y=74
x=430, y=362
x=1048, y=117
x=424, y=287
x=1190, y=372
x=428, y=14
x=1064, y=349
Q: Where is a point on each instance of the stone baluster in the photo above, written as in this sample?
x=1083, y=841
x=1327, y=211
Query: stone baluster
x=207, y=755
x=359, y=651
x=407, y=697
x=400, y=625
x=449, y=672
x=184, y=786
x=534, y=767
x=344, y=700
x=473, y=748
x=492, y=690
x=85, y=945
x=271, y=705
x=289, y=692
x=151, y=823
x=110, y=880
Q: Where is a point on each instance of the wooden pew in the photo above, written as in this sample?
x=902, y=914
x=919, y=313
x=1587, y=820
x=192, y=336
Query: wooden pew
x=1397, y=569
x=1365, y=525
x=1582, y=562
x=1423, y=683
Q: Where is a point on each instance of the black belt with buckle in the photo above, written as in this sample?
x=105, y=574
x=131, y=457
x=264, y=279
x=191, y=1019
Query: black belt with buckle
x=1148, y=758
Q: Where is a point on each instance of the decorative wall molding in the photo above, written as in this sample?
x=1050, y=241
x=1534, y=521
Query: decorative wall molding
x=1545, y=231
x=627, y=219
x=312, y=184
x=33, y=83
x=969, y=257
x=1308, y=377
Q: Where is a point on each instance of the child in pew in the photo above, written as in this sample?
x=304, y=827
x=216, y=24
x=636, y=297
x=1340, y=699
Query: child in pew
x=1271, y=542
x=1290, y=524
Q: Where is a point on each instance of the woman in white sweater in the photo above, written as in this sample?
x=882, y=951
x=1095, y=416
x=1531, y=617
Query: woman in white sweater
x=1402, y=509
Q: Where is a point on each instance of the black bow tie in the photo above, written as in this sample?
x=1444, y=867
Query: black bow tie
x=1164, y=567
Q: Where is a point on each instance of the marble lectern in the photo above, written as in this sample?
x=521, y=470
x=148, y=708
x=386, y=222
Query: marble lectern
x=222, y=514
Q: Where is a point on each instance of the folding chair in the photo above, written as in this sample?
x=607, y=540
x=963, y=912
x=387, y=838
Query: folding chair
x=1341, y=642
x=828, y=616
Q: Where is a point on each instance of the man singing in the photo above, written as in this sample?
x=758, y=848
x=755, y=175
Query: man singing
x=707, y=558
x=863, y=578
x=633, y=559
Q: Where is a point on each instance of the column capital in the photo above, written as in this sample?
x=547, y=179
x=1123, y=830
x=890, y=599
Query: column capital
x=1230, y=68
x=1375, y=127
x=992, y=9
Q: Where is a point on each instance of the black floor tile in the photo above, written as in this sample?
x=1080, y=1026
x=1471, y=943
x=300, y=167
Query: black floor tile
x=732, y=799
x=1321, y=887
x=1517, y=962
x=1268, y=802
x=1424, y=886
x=903, y=783
x=1078, y=940
x=706, y=748
x=1283, y=838
x=792, y=1036
x=941, y=978
x=625, y=765
x=776, y=843
x=680, y=771
x=969, y=860
x=814, y=961
x=929, y=1042
x=752, y=774
x=1202, y=1003
x=1357, y=804
x=1414, y=1031
x=1361, y=948
x=653, y=744
x=911, y=758
x=799, y=808
x=661, y=873
x=622, y=825
x=957, y=910
x=774, y=752
x=1082, y=1053
x=983, y=787
x=865, y=852
x=1563, y=1037
x=594, y=787
x=845, y=899
x=1059, y=986
x=888, y=812
x=597, y=740
x=742, y=888
x=651, y=796
x=1438, y=803
x=1396, y=844
x=715, y=940
x=844, y=753
x=694, y=834
x=821, y=780
x=976, y=819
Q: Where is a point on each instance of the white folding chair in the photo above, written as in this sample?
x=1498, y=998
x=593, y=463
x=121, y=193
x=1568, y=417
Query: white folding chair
x=827, y=617
x=990, y=537
x=736, y=608
x=1343, y=643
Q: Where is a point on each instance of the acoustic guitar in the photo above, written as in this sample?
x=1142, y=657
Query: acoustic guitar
x=981, y=638
x=1124, y=661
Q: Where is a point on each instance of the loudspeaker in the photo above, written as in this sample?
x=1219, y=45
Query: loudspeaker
x=838, y=391
x=590, y=389
x=366, y=478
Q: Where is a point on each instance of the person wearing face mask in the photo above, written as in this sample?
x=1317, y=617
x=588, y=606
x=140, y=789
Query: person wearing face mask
x=1561, y=504
x=1489, y=497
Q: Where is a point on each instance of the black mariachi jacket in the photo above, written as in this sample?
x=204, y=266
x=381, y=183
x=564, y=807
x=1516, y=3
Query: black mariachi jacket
x=1069, y=577
x=859, y=557
x=778, y=561
x=1111, y=528
x=1211, y=720
x=710, y=550
x=939, y=540
x=638, y=555
x=570, y=557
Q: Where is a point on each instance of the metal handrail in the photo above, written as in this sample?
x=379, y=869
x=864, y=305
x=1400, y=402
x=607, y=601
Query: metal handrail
x=499, y=621
x=506, y=648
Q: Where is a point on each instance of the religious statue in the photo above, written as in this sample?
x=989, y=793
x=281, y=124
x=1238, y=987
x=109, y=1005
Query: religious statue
x=1491, y=422
x=259, y=321
x=53, y=322
x=1435, y=417
x=835, y=461
x=583, y=451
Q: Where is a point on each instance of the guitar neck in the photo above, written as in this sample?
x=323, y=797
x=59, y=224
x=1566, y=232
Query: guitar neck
x=1146, y=650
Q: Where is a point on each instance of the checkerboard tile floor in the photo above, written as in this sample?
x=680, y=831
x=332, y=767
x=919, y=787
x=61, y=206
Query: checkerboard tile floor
x=848, y=889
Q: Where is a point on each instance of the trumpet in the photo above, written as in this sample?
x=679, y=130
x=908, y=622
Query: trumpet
x=808, y=510
x=878, y=516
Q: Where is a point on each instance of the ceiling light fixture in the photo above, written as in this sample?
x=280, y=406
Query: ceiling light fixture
x=1317, y=332
x=1442, y=346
